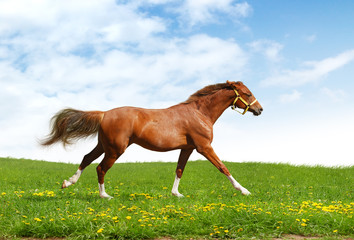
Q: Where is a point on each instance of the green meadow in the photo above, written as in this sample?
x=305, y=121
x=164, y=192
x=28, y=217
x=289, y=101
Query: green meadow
x=299, y=200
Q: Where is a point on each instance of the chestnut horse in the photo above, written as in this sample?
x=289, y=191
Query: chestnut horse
x=186, y=126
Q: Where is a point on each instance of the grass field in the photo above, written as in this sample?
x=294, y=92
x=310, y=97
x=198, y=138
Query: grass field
x=308, y=201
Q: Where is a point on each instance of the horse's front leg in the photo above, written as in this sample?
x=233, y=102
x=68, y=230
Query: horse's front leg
x=208, y=152
x=182, y=161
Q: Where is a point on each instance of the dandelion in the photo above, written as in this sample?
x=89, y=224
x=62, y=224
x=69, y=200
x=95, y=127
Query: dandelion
x=240, y=230
x=226, y=231
x=303, y=224
x=115, y=219
x=38, y=219
x=128, y=217
x=100, y=230
x=335, y=231
x=3, y=193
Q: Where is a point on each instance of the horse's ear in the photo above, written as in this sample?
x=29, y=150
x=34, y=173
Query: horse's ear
x=239, y=83
x=228, y=82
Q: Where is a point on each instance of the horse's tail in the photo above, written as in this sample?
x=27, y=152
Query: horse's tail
x=70, y=124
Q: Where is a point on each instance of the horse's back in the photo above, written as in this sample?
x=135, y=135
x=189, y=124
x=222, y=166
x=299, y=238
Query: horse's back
x=155, y=129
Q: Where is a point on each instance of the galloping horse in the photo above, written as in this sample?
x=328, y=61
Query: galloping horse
x=186, y=126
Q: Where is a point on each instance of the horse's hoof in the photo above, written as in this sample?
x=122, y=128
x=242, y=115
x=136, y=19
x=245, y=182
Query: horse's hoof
x=64, y=185
x=105, y=195
x=245, y=192
x=177, y=194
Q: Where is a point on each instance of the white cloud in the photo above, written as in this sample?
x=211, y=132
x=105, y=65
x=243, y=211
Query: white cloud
x=195, y=12
x=311, y=38
x=335, y=95
x=314, y=71
x=65, y=27
x=290, y=97
x=270, y=49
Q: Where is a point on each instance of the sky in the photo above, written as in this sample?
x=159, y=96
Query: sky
x=297, y=57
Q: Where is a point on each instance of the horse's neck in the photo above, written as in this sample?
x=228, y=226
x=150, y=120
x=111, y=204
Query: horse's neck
x=214, y=105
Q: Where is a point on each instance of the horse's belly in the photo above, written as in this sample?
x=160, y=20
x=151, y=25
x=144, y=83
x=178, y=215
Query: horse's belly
x=161, y=139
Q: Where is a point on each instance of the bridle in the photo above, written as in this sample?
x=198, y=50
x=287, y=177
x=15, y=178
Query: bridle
x=238, y=96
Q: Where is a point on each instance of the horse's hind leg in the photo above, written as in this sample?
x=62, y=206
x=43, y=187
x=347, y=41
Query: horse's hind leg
x=88, y=159
x=102, y=169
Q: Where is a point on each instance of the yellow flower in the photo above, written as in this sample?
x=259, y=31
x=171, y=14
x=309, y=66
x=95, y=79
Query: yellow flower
x=240, y=230
x=128, y=217
x=100, y=230
x=335, y=231
x=303, y=224
x=226, y=231
x=3, y=193
x=38, y=219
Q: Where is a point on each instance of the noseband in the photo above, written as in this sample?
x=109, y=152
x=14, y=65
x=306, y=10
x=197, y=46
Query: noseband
x=238, y=96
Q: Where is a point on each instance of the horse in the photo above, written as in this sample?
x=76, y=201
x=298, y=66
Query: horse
x=187, y=126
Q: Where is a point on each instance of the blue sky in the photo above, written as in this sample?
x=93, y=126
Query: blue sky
x=297, y=57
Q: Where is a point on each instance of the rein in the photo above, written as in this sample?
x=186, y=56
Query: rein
x=238, y=96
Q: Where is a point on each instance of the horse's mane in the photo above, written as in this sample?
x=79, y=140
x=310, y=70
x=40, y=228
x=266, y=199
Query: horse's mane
x=208, y=90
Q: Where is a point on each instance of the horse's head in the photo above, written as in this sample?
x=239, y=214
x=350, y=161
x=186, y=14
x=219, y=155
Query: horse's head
x=244, y=99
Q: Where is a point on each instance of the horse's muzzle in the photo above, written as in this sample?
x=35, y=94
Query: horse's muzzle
x=257, y=111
